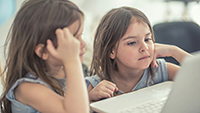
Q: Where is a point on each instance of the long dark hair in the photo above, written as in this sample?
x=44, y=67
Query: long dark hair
x=35, y=22
x=111, y=29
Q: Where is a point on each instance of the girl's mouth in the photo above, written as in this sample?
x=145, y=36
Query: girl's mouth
x=145, y=57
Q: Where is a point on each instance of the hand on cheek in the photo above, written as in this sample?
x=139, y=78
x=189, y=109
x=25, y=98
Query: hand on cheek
x=161, y=50
x=153, y=63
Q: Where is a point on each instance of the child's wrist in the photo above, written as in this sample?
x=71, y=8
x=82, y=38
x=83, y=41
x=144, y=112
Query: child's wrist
x=71, y=61
x=174, y=50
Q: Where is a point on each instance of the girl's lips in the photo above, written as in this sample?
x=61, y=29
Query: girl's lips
x=145, y=57
x=82, y=54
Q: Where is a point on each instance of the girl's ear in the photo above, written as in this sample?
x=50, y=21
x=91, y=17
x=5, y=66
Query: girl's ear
x=112, y=54
x=41, y=52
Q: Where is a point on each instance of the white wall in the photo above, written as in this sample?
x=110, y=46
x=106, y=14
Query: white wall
x=4, y=28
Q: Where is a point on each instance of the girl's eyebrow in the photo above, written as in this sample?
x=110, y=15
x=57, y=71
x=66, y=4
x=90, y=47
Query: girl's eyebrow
x=135, y=36
x=148, y=34
x=129, y=37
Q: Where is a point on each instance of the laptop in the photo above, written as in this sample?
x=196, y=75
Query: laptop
x=179, y=96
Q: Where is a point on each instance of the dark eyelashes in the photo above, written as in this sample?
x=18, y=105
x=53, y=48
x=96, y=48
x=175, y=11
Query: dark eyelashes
x=148, y=39
x=131, y=43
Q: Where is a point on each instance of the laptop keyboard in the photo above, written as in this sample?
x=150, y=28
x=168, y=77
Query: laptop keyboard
x=149, y=107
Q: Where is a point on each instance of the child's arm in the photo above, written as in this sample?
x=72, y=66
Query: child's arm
x=76, y=98
x=163, y=50
x=104, y=89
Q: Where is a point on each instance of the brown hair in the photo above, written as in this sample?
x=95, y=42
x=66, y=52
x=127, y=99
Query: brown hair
x=1, y=74
x=111, y=29
x=35, y=22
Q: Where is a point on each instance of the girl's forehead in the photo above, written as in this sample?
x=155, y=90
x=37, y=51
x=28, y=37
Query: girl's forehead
x=137, y=27
x=76, y=27
x=138, y=21
x=135, y=30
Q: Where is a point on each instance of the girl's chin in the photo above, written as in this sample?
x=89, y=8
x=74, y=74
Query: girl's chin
x=145, y=66
x=81, y=58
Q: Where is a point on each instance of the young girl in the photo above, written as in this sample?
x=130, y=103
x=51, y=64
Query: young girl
x=124, y=57
x=43, y=66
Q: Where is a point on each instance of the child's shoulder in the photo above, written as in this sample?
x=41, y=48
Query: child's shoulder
x=94, y=80
x=161, y=63
x=29, y=78
x=23, y=93
x=161, y=73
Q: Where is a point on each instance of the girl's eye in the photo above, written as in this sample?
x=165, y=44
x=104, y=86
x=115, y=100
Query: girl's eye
x=131, y=43
x=147, y=39
x=78, y=37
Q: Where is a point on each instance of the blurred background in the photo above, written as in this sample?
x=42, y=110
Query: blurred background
x=158, y=11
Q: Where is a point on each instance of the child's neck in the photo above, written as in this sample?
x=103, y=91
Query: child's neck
x=126, y=81
x=58, y=72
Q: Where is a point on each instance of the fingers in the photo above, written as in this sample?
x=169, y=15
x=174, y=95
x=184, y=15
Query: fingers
x=116, y=89
x=50, y=47
x=60, y=33
x=66, y=33
x=68, y=47
x=104, y=89
x=107, y=87
x=111, y=86
x=106, y=93
x=153, y=63
x=109, y=91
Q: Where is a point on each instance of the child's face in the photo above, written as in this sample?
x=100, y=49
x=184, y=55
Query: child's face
x=136, y=48
x=73, y=29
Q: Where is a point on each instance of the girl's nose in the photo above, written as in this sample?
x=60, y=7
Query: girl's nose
x=83, y=43
x=144, y=47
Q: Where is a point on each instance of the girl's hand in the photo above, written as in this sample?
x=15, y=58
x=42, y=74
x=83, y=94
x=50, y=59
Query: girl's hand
x=161, y=50
x=68, y=47
x=104, y=89
x=164, y=50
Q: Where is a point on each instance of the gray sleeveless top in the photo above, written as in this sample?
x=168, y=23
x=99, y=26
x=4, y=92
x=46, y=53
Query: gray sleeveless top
x=18, y=107
x=161, y=75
